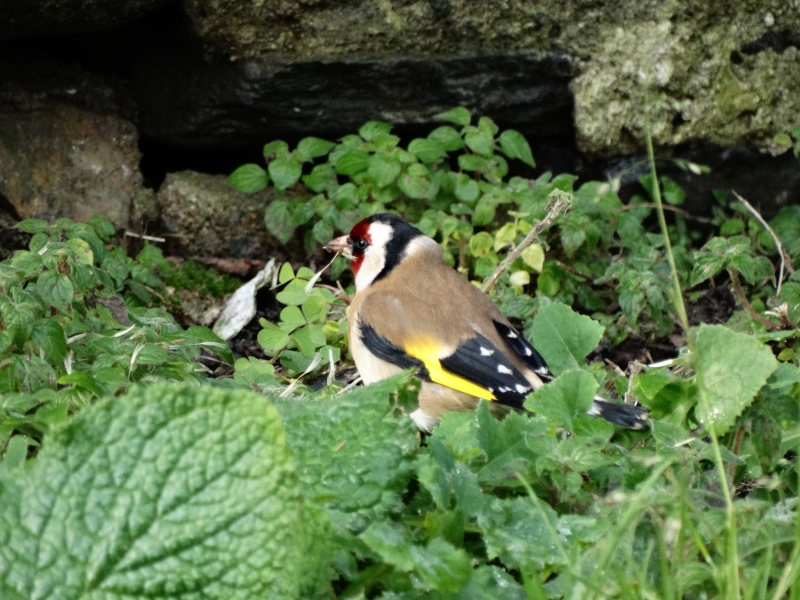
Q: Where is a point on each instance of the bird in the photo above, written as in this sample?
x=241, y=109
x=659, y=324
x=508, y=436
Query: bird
x=411, y=310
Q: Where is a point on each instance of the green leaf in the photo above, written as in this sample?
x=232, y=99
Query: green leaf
x=673, y=193
x=320, y=177
x=467, y=189
x=82, y=250
x=563, y=337
x=110, y=496
x=567, y=397
x=480, y=244
x=55, y=289
x=383, y=169
x=49, y=335
x=783, y=139
x=312, y=147
x=293, y=294
x=448, y=137
x=352, y=163
x=514, y=145
x=271, y=338
x=438, y=566
x=279, y=221
x=416, y=183
x=85, y=381
x=276, y=149
x=731, y=367
x=480, y=141
x=458, y=115
x=249, y=178
x=32, y=225
x=285, y=172
x=355, y=450
x=293, y=317
x=372, y=129
x=427, y=150
x=533, y=256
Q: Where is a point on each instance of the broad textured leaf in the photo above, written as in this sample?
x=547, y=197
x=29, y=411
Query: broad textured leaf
x=32, y=225
x=448, y=137
x=567, y=397
x=249, y=178
x=732, y=367
x=312, y=147
x=563, y=337
x=55, y=289
x=172, y=491
x=352, y=163
x=437, y=566
x=49, y=335
x=515, y=145
x=480, y=141
x=285, y=172
x=458, y=115
x=383, y=169
x=279, y=221
x=355, y=450
x=371, y=129
x=427, y=150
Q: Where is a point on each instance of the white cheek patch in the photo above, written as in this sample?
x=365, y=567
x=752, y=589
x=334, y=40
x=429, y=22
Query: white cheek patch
x=374, y=256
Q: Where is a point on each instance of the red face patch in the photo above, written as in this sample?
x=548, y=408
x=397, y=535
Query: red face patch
x=360, y=231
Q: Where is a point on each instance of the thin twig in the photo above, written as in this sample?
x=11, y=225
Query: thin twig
x=561, y=203
x=737, y=287
x=667, y=207
x=775, y=239
x=145, y=237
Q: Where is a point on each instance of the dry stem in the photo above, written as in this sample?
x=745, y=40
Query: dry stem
x=561, y=203
x=775, y=239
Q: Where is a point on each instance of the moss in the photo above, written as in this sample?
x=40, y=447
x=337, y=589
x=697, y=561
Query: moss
x=678, y=52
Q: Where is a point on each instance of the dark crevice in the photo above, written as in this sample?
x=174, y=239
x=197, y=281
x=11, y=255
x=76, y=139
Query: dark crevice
x=778, y=41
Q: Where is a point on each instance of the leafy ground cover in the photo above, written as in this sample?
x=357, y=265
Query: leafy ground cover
x=128, y=472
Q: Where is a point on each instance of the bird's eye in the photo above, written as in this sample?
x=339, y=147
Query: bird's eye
x=360, y=244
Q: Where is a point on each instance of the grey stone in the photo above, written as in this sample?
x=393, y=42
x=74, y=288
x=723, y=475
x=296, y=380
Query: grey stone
x=60, y=161
x=207, y=217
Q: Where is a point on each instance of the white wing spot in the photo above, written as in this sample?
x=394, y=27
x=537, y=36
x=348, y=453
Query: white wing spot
x=528, y=351
x=486, y=351
x=522, y=389
x=503, y=389
x=491, y=390
x=541, y=371
x=504, y=370
x=511, y=334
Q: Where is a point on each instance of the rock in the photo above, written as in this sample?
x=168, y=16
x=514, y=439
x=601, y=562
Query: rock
x=186, y=101
x=208, y=217
x=710, y=73
x=61, y=161
x=28, y=18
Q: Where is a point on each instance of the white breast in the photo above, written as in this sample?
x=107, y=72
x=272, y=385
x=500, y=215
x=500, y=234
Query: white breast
x=370, y=367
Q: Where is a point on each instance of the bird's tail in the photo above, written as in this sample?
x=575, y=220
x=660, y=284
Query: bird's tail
x=626, y=415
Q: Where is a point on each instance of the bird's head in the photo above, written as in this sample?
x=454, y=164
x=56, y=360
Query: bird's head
x=379, y=243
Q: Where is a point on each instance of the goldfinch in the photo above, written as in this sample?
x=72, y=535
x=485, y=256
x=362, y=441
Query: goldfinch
x=412, y=310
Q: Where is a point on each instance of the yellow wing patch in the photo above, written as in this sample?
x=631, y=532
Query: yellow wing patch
x=430, y=353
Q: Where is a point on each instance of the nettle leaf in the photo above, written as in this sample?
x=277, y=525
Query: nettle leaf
x=481, y=244
x=49, y=335
x=355, y=450
x=567, y=397
x=533, y=256
x=563, y=337
x=32, y=226
x=285, y=172
x=249, y=178
x=416, y=182
x=352, y=163
x=371, y=129
x=480, y=141
x=732, y=367
x=278, y=219
x=276, y=149
x=171, y=490
x=514, y=145
x=427, y=150
x=458, y=115
x=448, y=137
x=312, y=147
x=438, y=566
x=466, y=189
x=383, y=169
x=55, y=289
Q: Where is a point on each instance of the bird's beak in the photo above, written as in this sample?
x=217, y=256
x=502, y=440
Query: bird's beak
x=340, y=245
